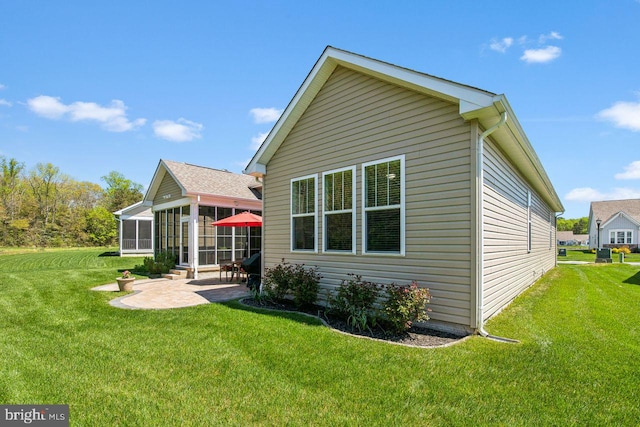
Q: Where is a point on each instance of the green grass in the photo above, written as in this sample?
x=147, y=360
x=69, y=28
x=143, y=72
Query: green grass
x=575, y=253
x=577, y=363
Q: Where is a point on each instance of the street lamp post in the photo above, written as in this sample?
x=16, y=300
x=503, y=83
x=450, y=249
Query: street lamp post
x=598, y=222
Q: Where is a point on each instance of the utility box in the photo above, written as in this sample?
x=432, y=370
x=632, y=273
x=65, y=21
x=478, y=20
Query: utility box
x=562, y=252
x=604, y=255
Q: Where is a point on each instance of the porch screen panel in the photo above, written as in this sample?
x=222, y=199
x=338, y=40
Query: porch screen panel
x=129, y=234
x=206, y=235
x=144, y=234
x=225, y=236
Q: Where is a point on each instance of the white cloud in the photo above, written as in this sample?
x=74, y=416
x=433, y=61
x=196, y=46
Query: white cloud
x=501, y=45
x=2, y=86
x=47, y=106
x=265, y=115
x=257, y=140
x=5, y=103
x=631, y=171
x=542, y=55
x=112, y=118
x=182, y=130
x=587, y=194
x=623, y=115
x=553, y=35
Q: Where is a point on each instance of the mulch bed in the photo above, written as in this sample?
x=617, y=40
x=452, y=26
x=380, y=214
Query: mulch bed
x=416, y=336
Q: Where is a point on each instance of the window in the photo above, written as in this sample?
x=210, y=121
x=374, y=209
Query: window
x=339, y=218
x=620, y=237
x=383, y=201
x=303, y=213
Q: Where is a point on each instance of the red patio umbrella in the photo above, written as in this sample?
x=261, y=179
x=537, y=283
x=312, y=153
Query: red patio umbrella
x=244, y=219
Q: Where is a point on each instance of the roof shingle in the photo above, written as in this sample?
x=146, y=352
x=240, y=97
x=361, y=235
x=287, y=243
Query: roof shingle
x=208, y=181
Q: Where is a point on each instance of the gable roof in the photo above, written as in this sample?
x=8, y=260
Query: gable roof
x=484, y=106
x=196, y=180
x=608, y=209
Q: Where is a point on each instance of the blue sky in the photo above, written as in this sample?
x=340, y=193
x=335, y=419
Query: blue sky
x=99, y=86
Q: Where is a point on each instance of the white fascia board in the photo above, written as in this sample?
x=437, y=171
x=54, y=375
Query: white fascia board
x=301, y=100
x=454, y=92
x=404, y=77
x=516, y=146
x=617, y=215
x=126, y=209
x=158, y=176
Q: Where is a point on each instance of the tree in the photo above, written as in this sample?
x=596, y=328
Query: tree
x=9, y=185
x=101, y=226
x=580, y=226
x=44, y=180
x=120, y=192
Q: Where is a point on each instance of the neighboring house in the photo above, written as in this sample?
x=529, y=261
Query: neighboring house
x=135, y=230
x=186, y=199
x=619, y=223
x=395, y=175
x=567, y=238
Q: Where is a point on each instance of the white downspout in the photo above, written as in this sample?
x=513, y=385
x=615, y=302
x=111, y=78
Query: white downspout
x=480, y=242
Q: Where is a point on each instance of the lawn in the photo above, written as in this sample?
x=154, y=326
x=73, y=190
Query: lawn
x=577, y=362
x=579, y=253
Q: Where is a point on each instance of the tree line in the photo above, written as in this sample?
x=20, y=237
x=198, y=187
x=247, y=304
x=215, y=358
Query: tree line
x=44, y=207
x=578, y=226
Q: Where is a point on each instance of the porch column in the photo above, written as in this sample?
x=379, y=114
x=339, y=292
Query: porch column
x=120, y=234
x=193, y=237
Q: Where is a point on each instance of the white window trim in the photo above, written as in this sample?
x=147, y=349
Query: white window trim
x=402, y=207
x=315, y=213
x=625, y=230
x=352, y=210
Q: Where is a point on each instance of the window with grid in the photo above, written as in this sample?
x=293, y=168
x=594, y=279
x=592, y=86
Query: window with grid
x=338, y=211
x=303, y=213
x=620, y=237
x=384, y=206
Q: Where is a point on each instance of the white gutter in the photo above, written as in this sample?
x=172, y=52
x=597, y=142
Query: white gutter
x=480, y=243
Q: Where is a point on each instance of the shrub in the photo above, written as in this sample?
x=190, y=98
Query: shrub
x=292, y=279
x=163, y=262
x=615, y=250
x=624, y=249
x=355, y=301
x=304, y=285
x=405, y=305
x=276, y=280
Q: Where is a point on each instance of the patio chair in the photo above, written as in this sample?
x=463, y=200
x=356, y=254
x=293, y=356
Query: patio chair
x=226, y=266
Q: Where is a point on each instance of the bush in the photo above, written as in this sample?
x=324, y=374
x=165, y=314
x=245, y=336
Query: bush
x=615, y=250
x=355, y=301
x=276, y=280
x=405, y=305
x=304, y=285
x=295, y=279
x=163, y=262
x=624, y=249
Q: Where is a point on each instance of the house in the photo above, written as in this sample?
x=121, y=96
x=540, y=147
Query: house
x=619, y=224
x=396, y=175
x=135, y=230
x=567, y=238
x=186, y=199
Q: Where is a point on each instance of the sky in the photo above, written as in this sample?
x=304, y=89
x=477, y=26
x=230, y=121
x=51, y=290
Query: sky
x=94, y=87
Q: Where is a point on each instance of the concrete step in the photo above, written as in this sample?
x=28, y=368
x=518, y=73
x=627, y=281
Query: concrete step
x=181, y=273
x=171, y=276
